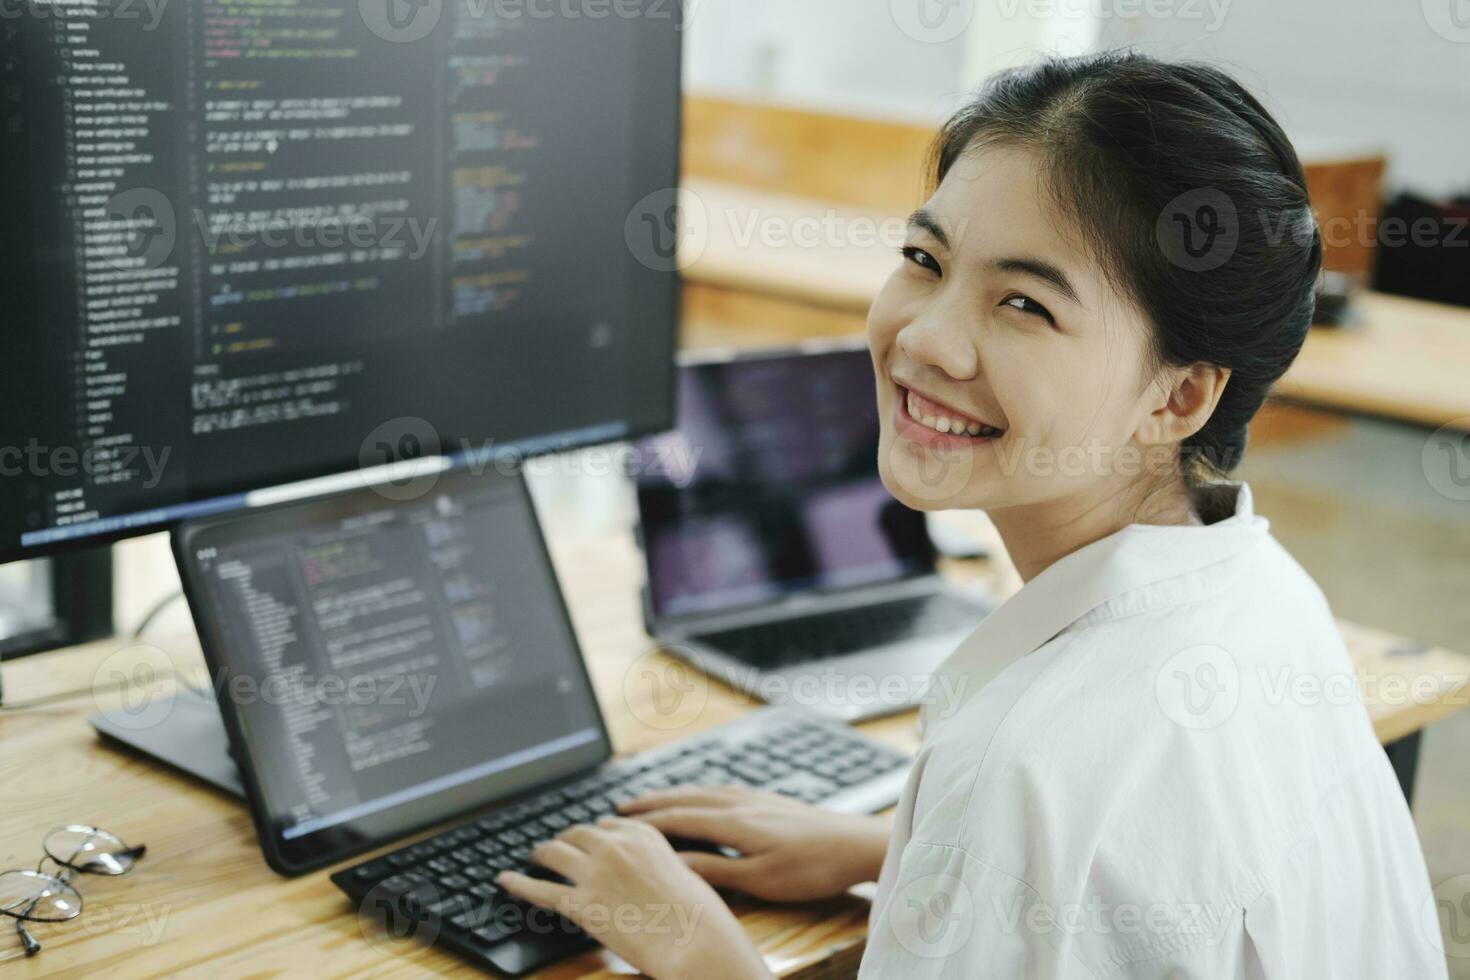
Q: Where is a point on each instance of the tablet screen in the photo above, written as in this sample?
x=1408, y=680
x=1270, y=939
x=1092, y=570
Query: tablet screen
x=390, y=663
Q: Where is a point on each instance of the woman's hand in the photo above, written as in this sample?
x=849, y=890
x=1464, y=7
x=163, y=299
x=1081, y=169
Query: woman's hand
x=633, y=894
x=790, y=852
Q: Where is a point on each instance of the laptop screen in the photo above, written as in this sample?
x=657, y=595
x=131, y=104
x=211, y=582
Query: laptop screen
x=391, y=659
x=770, y=486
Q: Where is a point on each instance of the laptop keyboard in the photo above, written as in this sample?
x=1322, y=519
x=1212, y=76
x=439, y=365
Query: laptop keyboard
x=449, y=879
x=832, y=634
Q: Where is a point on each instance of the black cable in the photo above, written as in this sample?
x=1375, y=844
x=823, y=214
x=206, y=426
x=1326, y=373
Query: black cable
x=158, y=608
x=63, y=696
x=155, y=612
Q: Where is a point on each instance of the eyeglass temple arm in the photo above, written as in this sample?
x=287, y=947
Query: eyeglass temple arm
x=29, y=941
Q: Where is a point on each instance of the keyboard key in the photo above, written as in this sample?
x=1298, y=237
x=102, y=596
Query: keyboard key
x=371, y=871
x=448, y=908
x=752, y=774
x=412, y=890
x=494, y=931
x=805, y=786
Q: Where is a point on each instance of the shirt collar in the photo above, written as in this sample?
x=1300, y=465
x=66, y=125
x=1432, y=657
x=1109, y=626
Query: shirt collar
x=1132, y=558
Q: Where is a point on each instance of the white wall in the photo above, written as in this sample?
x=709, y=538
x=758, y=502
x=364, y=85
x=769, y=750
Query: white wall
x=1342, y=73
x=838, y=55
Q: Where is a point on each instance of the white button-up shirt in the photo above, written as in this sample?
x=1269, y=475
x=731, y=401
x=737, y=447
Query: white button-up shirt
x=1153, y=761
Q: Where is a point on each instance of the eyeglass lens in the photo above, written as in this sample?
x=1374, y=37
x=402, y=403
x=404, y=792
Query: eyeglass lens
x=37, y=896
x=89, y=849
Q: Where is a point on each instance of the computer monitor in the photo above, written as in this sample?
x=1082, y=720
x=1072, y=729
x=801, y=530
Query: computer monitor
x=248, y=244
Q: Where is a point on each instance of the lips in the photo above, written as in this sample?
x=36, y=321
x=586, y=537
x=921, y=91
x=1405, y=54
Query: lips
x=942, y=418
x=938, y=426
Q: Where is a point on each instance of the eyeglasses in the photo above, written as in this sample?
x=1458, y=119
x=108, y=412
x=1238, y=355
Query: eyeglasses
x=40, y=896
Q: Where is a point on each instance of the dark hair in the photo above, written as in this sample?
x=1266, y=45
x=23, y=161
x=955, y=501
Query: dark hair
x=1145, y=155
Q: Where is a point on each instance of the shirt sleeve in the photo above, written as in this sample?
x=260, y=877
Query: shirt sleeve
x=949, y=916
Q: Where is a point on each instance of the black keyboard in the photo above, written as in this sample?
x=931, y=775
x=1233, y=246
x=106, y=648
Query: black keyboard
x=832, y=634
x=444, y=889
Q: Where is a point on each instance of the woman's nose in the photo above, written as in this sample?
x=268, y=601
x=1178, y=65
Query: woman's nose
x=942, y=340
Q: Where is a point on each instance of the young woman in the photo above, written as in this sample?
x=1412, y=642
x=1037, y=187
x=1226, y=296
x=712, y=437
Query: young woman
x=1136, y=778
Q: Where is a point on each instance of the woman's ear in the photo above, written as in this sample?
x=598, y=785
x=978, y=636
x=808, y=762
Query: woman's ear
x=1186, y=398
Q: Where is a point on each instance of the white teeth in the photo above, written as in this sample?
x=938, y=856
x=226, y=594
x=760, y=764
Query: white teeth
x=943, y=423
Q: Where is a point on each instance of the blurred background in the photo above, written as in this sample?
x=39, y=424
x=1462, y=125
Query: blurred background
x=1341, y=75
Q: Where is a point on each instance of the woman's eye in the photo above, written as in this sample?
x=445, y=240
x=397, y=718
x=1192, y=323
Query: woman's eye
x=921, y=258
x=1028, y=305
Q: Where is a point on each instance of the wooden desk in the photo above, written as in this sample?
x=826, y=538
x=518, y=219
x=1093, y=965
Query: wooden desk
x=1404, y=359
x=203, y=903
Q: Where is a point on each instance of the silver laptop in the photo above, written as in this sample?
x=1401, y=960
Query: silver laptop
x=776, y=559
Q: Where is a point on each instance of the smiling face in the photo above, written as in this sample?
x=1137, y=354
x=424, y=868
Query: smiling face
x=1010, y=371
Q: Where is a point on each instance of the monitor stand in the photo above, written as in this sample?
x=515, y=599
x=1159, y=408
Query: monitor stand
x=188, y=735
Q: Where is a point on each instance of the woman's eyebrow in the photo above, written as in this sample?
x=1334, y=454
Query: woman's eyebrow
x=1038, y=269
x=925, y=221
